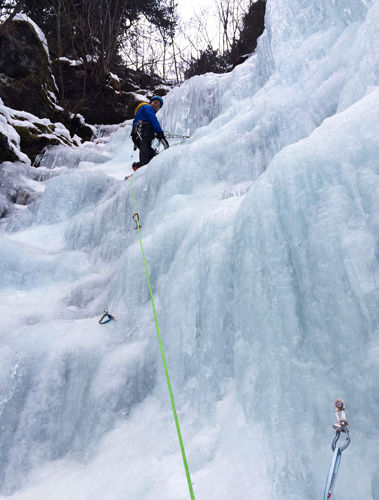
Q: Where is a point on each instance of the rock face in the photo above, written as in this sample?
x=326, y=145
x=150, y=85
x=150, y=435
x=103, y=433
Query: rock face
x=7, y=152
x=113, y=101
x=30, y=117
x=26, y=80
x=99, y=104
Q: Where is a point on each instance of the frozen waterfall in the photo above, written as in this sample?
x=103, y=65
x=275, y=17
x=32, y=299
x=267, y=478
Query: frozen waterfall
x=261, y=234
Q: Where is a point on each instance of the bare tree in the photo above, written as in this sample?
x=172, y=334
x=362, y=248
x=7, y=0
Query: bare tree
x=230, y=17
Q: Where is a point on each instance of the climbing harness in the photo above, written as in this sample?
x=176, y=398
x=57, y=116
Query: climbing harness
x=138, y=129
x=135, y=217
x=185, y=463
x=340, y=426
x=106, y=317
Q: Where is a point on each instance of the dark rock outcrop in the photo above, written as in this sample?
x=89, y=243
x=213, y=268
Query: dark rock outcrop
x=98, y=104
x=27, y=85
x=7, y=152
x=26, y=80
x=113, y=101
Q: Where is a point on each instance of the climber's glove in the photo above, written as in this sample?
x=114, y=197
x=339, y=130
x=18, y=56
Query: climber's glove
x=161, y=137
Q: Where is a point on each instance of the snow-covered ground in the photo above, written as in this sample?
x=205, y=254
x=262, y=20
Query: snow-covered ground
x=261, y=239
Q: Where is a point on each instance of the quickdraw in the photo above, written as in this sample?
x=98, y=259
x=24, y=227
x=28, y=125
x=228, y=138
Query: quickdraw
x=340, y=426
x=106, y=318
x=135, y=217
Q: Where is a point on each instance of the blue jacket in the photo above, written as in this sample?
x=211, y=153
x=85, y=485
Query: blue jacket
x=146, y=113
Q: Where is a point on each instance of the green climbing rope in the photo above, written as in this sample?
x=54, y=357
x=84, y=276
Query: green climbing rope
x=162, y=354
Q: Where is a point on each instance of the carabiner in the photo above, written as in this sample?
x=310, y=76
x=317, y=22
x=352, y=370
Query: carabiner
x=336, y=438
x=135, y=217
x=106, y=317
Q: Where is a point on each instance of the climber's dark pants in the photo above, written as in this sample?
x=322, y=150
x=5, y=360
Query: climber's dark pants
x=146, y=152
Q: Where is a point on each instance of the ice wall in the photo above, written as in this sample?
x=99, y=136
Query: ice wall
x=261, y=236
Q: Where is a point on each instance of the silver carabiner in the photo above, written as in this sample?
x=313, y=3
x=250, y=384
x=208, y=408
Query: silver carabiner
x=336, y=438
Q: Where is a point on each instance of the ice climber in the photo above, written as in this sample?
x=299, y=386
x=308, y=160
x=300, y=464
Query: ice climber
x=145, y=128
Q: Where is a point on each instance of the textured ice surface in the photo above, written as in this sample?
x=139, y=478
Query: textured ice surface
x=261, y=238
